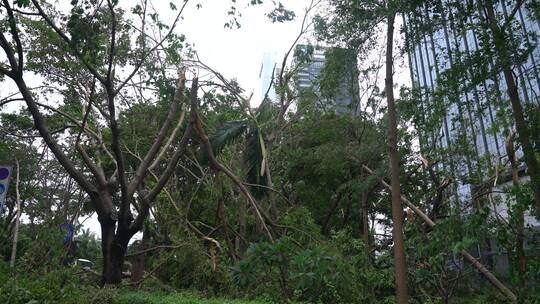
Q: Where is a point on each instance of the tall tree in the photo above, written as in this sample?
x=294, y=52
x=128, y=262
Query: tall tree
x=397, y=209
x=356, y=25
x=499, y=36
x=86, y=62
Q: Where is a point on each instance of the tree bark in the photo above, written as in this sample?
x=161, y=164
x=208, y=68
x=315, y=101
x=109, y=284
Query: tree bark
x=17, y=219
x=115, y=236
x=139, y=263
x=113, y=247
x=397, y=210
x=520, y=221
x=523, y=131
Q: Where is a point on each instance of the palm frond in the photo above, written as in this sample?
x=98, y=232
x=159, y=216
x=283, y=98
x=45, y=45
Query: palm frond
x=223, y=136
x=254, y=158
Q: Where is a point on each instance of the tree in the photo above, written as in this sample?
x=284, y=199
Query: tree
x=499, y=37
x=397, y=210
x=363, y=20
x=88, y=63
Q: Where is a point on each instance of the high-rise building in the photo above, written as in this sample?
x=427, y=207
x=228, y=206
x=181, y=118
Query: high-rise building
x=472, y=112
x=475, y=109
x=312, y=60
x=309, y=63
x=268, y=70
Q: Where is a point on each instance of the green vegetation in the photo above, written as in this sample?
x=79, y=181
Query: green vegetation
x=205, y=193
x=176, y=298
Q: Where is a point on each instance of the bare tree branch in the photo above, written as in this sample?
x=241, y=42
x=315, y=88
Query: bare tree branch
x=170, y=140
x=159, y=44
x=40, y=124
x=171, y=165
x=162, y=134
x=98, y=174
x=208, y=149
x=15, y=35
x=110, y=69
x=10, y=56
x=87, y=113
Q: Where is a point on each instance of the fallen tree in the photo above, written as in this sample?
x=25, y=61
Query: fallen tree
x=466, y=255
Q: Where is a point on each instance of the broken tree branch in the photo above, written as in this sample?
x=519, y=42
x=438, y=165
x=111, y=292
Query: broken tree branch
x=476, y=264
x=219, y=167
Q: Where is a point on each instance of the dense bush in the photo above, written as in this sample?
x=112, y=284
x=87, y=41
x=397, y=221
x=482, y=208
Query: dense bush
x=132, y=297
x=305, y=269
x=66, y=285
x=189, y=267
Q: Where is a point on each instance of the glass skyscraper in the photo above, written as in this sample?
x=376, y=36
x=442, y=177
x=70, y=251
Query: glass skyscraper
x=309, y=74
x=309, y=62
x=269, y=65
x=473, y=112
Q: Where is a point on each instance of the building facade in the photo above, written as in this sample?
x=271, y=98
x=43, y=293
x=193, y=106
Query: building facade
x=473, y=111
x=309, y=63
x=266, y=76
x=314, y=65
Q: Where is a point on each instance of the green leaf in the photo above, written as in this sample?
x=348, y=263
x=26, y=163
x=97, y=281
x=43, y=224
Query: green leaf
x=22, y=3
x=224, y=136
x=254, y=159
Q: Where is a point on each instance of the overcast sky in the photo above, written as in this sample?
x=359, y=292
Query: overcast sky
x=237, y=53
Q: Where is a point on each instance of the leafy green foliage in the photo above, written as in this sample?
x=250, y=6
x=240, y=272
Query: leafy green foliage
x=339, y=73
x=131, y=297
x=38, y=286
x=322, y=157
x=281, y=14
x=226, y=134
x=330, y=219
x=333, y=272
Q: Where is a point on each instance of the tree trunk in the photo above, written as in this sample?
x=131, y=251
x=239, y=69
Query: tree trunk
x=139, y=263
x=397, y=210
x=115, y=236
x=17, y=220
x=326, y=222
x=113, y=247
x=520, y=220
x=523, y=131
x=365, y=221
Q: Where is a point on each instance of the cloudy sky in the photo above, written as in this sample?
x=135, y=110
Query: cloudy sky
x=237, y=53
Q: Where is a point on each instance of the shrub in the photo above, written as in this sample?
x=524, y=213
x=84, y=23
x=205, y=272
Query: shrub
x=334, y=272
x=55, y=286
